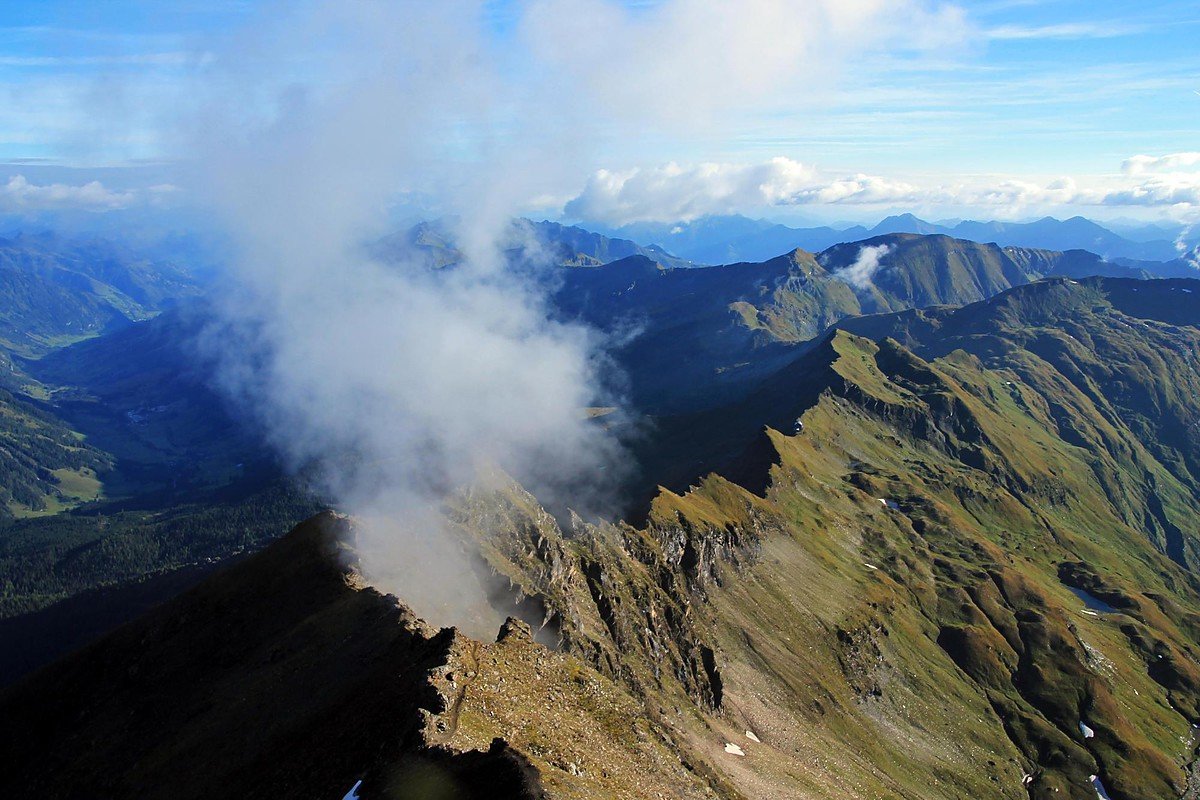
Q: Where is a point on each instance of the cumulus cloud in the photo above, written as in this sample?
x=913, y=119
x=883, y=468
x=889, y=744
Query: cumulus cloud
x=862, y=272
x=1141, y=164
x=858, y=189
x=678, y=192
x=1162, y=190
x=675, y=192
x=672, y=192
x=19, y=196
x=1171, y=181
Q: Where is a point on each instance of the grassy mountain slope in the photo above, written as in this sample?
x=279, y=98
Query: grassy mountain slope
x=968, y=572
x=921, y=534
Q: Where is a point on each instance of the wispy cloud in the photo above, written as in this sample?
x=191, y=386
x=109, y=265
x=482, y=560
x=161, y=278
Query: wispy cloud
x=174, y=59
x=1066, y=30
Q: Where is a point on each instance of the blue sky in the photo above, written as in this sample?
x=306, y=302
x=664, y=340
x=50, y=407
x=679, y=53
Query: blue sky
x=1027, y=91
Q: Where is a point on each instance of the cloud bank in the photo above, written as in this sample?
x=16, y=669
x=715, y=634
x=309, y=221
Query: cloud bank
x=392, y=385
x=674, y=192
x=19, y=196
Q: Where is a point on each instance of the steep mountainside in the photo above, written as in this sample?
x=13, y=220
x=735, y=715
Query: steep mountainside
x=958, y=566
x=54, y=291
x=342, y=684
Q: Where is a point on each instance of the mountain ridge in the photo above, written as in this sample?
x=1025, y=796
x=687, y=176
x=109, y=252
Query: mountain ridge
x=730, y=239
x=962, y=561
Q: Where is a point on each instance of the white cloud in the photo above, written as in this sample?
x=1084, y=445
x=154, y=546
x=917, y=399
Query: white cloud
x=858, y=190
x=1141, y=164
x=672, y=192
x=861, y=273
x=19, y=196
x=1171, y=180
x=683, y=193
x=1016, y=193
x=1178, y=189
x=411, y=384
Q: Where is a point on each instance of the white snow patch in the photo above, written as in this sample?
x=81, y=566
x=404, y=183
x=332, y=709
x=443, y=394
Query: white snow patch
x=1088, y=612
x=1087, y=732
x=870, y=566
x=353, y=793
x=750, y=735
x=730, y=747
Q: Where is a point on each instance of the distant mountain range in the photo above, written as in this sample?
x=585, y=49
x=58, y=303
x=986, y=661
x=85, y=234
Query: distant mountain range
x=720, y=327
x=729, y=239
x=432, y=244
